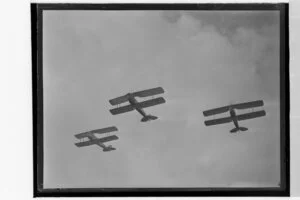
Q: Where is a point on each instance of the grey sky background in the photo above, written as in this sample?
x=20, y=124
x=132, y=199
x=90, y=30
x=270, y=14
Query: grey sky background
x=202, y=59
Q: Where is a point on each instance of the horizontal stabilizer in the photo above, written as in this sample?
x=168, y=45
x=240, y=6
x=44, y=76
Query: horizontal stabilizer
x=121, y=110
x=99, y=131
x=218, y=121
x=97, y=141
x=251, y=115
x=151, y=102
x=109, y=149
x=251, y=104
x=149, y=92
x=238, y=129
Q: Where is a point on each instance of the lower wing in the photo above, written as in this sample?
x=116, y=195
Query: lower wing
x=121, y=110
x=97, y=141
x=251, y=115
x=218, y=121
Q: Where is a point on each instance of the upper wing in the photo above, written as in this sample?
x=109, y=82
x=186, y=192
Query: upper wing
x=150, y=92
x=118, y=100
x=97, y=141
x=105, y=130
x=237, y=106
x=151, y=102
x=122, y=109
x=248, y=104
x=144, y=93
x=218, y=121
x=251, y=115
x=215, y=111
x=99, y=131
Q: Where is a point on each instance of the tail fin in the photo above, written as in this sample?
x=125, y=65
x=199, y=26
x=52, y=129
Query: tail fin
x=238, y=129
x=148, y=118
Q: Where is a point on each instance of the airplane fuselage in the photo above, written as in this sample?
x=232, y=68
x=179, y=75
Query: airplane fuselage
x=234, y=117
x=134, y=102
x=92, y=137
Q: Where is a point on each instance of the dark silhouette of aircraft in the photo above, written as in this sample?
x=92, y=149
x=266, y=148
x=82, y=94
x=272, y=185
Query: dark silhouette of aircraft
x=93, y=140
x=233, y=116
x=135, y=105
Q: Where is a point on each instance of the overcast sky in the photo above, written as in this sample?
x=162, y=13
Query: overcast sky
x=202, y=59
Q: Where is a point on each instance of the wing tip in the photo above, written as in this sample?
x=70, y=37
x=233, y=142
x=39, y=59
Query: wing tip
x=112, y=112
x=79, y=135
x=262, y=102
x=162, y=89
x=114, y=128
x=205, y=122
x=111, y=102
x=77, y=144
x=207, y=113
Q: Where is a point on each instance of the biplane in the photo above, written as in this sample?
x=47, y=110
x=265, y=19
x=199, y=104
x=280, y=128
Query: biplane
x=93, y=140
x=135, y=105
x=233, y=116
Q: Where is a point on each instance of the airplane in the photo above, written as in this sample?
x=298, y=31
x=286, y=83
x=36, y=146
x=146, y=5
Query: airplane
x=135, y=105
x=98, y=141
x=233, y=116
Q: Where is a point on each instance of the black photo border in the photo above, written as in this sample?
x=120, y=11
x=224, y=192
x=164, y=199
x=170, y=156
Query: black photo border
x=37, y=89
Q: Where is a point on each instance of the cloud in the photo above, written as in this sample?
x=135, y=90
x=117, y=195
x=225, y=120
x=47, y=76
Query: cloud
x=227, y=22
